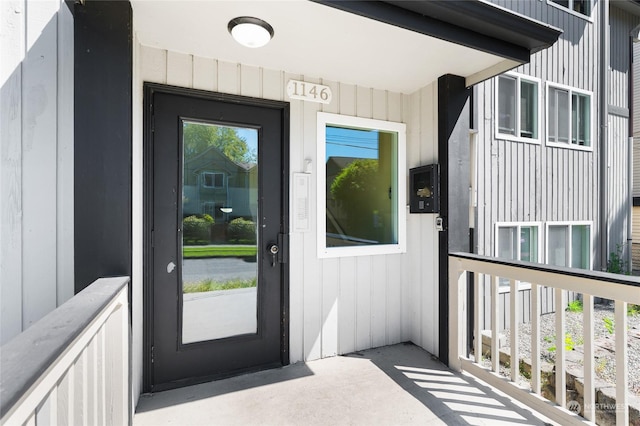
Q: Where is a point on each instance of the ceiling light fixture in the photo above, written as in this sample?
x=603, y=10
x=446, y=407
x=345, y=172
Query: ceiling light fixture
x=250, y=32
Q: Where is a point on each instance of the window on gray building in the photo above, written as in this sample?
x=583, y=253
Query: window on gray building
x=517, y=107
x=569, y=117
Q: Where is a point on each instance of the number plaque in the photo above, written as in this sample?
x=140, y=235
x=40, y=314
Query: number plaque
x=311, y=92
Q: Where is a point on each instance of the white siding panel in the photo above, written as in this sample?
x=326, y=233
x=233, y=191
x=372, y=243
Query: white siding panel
x=12, y=15
x=65, y=168
x=330, y=288
x=39, y=123
x=205, y=74
x=36, y=220
x=312, y=269
x=179, y=69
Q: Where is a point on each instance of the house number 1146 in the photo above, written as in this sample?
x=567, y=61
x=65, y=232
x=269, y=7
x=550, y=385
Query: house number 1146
x=310, y=92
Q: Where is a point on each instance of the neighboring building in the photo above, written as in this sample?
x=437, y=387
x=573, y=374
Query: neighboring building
x=552, y=187
x=214, y=183
x=93, y=104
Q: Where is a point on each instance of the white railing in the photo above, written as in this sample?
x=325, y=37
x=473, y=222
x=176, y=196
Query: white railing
x=621, y=289
x=72, y=366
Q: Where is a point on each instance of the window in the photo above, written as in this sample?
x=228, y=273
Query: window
x=212, y=180
x=517, y=108
x=569, y=245
x=582, y=7
x=517, y=241
x=361, y=186
x=569, y=120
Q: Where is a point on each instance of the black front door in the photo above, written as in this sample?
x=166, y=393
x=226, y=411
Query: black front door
x=216, y=197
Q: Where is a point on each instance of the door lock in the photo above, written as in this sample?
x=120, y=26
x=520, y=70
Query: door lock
x=274, y=250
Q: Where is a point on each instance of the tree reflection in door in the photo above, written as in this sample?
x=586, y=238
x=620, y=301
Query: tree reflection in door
x=219, y=236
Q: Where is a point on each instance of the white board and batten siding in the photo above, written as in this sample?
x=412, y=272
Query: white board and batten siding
x=36, y=173
x=337, y=305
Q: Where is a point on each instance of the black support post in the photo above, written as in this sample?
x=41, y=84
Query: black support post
x=102, y=150
x=454, y=158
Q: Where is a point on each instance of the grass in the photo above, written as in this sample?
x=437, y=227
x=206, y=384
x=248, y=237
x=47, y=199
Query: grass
x=210, y=285
x=202, y=252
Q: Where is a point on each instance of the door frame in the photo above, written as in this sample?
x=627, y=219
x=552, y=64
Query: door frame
x=148, y=292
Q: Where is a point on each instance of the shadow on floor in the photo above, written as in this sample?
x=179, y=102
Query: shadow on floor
x=392, y=385
x=455, y=398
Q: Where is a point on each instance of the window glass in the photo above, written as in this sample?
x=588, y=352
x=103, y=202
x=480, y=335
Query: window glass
x=580, y=119
x=507, y=105
x=558, y=245
x=569, y=117
x=508, y=242
x=529, y=243
x=529, y=110
x=517, y=242
x=580, y=244
x=581, y=6
x=570, y=245
x=361, y=187
x=563, y=116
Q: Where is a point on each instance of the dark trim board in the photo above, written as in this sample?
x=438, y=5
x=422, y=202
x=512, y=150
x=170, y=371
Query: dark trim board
x=103, y=140
x=470, y=23
x=148, y=163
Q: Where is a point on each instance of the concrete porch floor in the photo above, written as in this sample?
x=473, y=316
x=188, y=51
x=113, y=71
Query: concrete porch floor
x=392, y=385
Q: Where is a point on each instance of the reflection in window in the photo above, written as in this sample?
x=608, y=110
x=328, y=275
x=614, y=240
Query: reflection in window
x=361, y=187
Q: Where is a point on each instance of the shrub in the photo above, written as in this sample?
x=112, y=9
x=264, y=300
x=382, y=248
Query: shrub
x=575, y=306
x=242, y=231
x=197, y=228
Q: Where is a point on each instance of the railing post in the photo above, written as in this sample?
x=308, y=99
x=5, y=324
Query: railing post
x=561, y=375
x=457, y=282
x=513, y=333
x=478, y=298
x=589, y=368
x=622, y=369
x=495, y=331
x=535, y=338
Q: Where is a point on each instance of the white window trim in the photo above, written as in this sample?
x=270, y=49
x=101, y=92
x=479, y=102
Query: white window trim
x=517, y=138
x=588, y=18
x=569, y=223
x=571, y=90
x=324, y=119
x=522, y=285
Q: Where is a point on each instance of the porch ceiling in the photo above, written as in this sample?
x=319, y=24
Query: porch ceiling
x=313, y=40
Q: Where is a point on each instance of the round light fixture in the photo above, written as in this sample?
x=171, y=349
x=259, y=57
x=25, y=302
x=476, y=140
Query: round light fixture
x=250, y=32
x=226, y=209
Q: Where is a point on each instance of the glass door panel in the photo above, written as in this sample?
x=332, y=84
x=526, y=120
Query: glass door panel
x=219, y=233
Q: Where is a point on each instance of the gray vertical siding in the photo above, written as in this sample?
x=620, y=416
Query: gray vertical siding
x=527, y=182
